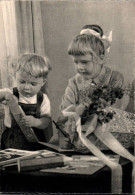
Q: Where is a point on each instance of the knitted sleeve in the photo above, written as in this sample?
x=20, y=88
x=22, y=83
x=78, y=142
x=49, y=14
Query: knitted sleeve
x=70, y=96
x=116, y=79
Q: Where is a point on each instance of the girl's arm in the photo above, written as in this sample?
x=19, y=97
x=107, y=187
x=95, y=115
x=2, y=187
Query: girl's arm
x=2, y=96
x=70, y=96
x=68, y=103
x=70, y=99
x=117, y=80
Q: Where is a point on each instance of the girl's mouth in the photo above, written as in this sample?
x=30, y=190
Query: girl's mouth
x=82, y=71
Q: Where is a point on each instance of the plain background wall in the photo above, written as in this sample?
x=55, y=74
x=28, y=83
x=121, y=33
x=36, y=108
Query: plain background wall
x=62, y=20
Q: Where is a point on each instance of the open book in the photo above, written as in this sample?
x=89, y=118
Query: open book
x=17, y=113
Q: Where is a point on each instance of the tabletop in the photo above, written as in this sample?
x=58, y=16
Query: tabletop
x=96, y=179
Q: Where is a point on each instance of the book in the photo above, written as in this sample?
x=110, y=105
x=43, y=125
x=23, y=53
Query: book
x=46, y=159
x=23, y=160
x=11, y=155
x=8, y=167
x=17, y=113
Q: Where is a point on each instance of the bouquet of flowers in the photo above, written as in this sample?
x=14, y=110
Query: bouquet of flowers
x=102, y=97
x=100, y=100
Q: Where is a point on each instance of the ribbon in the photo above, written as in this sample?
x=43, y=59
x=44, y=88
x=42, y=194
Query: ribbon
x=116, y=168
x=105, y=39
x=111, y=142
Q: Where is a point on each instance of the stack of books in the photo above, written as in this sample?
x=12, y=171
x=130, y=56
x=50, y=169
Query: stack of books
x=30, y=160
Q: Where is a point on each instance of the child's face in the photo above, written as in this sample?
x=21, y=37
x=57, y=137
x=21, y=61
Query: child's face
x=28, y=85
x=85, y=65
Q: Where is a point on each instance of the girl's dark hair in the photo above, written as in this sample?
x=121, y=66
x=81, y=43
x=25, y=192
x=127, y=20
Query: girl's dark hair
x=95, y=27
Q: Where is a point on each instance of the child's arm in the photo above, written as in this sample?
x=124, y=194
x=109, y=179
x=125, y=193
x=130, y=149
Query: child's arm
x=70, y=99
x=117, y=80
x=70, y=96
x=79, y=109
x=40, y=123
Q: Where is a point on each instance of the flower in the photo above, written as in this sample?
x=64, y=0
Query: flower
x=102, y=97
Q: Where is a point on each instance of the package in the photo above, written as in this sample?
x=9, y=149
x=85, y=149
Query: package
x=121, y=127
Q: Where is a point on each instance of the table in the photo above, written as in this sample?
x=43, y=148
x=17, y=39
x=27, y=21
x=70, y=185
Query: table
x=36, y=181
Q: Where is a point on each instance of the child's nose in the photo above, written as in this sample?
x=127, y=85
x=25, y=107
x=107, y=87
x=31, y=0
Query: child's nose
x=80, y=66
x=27, y=86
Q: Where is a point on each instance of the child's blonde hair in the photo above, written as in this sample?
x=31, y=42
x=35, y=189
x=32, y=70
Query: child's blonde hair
x=33, y=64
x=87, y=44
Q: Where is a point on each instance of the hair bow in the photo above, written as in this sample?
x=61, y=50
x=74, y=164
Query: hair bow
x=105, y=39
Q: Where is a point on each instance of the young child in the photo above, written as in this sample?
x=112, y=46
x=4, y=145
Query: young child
x=31, y=73
x=87, y=51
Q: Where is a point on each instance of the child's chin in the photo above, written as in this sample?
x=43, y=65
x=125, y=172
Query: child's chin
x=27, y=95
x=86, y=76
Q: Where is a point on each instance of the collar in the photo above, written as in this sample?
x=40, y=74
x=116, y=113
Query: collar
x=102, y=78
x=28, y=100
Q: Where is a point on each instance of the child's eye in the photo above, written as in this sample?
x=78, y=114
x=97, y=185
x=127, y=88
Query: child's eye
x=33, y=84
x=84, y=62
x=75, y=62
x=22, y=81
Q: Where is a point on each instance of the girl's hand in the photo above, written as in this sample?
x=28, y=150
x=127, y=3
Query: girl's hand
x=80, y=109
x=28, y=121
x=87, y=101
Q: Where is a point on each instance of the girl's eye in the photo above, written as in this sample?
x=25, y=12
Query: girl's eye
x=75, y=62
x=22, y=82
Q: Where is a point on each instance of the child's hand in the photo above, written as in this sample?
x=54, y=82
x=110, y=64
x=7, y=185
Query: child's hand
x=80, y=109
x=7, y=97
x=28, y=121
x=87, y=101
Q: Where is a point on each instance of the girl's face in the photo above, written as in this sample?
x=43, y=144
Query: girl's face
x=28, y=85
x=85, y=66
